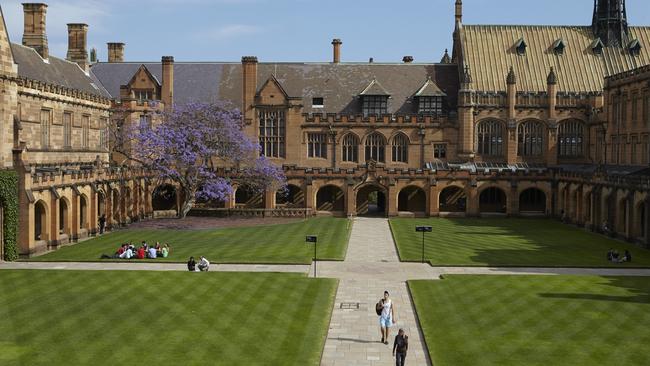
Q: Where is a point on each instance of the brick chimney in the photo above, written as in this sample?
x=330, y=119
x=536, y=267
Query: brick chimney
x=34, y=35
x=77, y=44
x=336, y=43
x=115, y=52
x=167, y=89
x=249, y=73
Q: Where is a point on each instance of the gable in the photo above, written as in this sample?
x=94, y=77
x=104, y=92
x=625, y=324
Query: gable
x=143, y=80
x=272, y=93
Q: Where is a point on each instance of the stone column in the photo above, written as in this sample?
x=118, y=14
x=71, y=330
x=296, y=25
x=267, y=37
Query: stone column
x=350, y=200
x=473, y=208
x=391, y=200
x=434, y=200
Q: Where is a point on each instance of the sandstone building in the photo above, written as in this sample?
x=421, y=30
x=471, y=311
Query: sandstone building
x=517, y=120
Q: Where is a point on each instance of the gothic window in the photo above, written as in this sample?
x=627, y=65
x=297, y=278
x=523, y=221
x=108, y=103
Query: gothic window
x=376, y=148
x=272, y=133
x=400, y=148
x=67, y=130
x=375, y=105
x=530, y=139
x=490, y=138
x=571, y=139
x=430, y=105
x=85, y=130
x=440, y=151
x=45, y=128
x=317, y=145
x=351, y=148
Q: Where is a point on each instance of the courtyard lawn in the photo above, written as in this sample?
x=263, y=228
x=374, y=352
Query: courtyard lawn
x=535, y=320
x=162, y=318
x=508, y=242
x=282, y=243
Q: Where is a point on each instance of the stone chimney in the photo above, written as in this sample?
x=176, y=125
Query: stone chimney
x=115, y=52
x=336, y=43
x=249, y=73
x=34, y=35
x=167, y=89
x=407, y=59
x=77, y=43
x=459, y=11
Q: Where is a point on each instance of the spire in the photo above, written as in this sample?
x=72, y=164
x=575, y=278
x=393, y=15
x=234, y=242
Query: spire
x=467, y=77
x=459, y=11
x=551, y=79
x=511, y=79
x=445, y=58
x=610, y=22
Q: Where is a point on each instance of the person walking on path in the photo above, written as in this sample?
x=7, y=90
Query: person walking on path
x=386, y=317
x=400, y=346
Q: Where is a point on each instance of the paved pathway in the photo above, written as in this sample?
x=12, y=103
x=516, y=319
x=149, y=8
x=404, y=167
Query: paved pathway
x=160, y=266
x=371, y=266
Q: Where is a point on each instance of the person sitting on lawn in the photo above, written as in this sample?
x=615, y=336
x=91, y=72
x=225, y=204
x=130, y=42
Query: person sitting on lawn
x=615, y=256
x=165, y=251
x=610, y=255
x=158, y=249
x=152, y=253
x=141, y=253
x=191, y=265
x=204, y=264
x=127, y=254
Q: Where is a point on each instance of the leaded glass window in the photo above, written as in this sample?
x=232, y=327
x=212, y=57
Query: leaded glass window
x=530, y=138
x=376, y=148
x=571, y=139
x=490, y=138
x=375, y=105
x=400, y=148
x=272, y=133
x=351, y=148
x=317, y=145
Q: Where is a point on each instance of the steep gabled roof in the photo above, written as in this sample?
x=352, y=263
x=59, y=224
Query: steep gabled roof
x=151, y=76
x=430, y=89
x=374, y=88
x=489, y=50
x=274, y=81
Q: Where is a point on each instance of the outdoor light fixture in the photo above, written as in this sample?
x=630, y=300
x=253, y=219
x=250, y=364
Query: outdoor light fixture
x=423, y=229
x=313, y=239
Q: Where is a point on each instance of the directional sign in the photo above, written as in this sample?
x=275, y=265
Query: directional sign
x=423, y=229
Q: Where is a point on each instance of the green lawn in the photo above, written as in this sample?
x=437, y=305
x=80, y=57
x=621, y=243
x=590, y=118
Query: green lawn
x=508, y=242
x=535, y=320
x=162, y=318
x=284, y=243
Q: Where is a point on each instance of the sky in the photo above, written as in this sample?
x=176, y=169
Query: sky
x=291, y=30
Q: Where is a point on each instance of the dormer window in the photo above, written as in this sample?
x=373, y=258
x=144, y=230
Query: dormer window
x=558, y=47
x=597, y=46
x=317, y=102
x=374, y=99
x=521, y=46
x=143, y=94
x=635, y=47
x=430, y=98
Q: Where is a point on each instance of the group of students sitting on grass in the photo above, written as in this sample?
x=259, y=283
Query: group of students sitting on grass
x=129, y=251
x=615, y=257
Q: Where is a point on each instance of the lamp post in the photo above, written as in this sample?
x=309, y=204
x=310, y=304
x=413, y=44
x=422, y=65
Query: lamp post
x=313, y=239
x=423, y=229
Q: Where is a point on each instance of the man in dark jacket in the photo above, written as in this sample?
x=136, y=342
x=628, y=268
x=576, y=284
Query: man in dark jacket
x=400, y=346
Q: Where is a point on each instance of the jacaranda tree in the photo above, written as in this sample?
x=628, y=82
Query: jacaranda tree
x=190, y=145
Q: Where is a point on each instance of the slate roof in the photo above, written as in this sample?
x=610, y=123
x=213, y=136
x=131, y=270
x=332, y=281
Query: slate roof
x=55, y=71
x=338, y=84
x=490, y=50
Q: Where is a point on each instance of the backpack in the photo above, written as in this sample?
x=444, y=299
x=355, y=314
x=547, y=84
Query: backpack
x=379, y=307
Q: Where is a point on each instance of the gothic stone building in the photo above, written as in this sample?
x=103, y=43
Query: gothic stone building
x=517, y=121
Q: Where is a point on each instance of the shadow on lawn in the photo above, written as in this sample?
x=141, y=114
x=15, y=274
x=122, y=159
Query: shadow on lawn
x=639, y=287
x=545, y=239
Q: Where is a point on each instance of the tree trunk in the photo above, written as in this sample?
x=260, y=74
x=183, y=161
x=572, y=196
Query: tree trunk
x=188, y=203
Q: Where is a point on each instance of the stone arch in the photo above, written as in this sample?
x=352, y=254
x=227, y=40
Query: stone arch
x=83, y=212
x=453, y=199
x=330, y=198
x=622, y=216
x=41, y=221
x=641, y=219
x=291, y=196
x=116, y=215
x=101, y=203
x=371, y=200
x=164, y=198
x=588, y=212
x=64, y=216
x=412, y=199
x=247, y=198
x=493, y=199
x=532, y=200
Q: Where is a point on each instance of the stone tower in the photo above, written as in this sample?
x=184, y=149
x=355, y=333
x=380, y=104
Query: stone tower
x=610, y=22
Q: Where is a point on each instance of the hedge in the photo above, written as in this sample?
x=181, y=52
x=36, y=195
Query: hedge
x=9, y=199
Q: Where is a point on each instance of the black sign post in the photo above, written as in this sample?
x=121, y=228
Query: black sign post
x=423, y=229
x=313, y=239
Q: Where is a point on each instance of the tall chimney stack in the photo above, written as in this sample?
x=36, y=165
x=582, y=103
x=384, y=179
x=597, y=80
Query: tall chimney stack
x=34, y=34
x=167, y=81
x=77, y=43
x=115, y=52
x=337, y=50
x=249, y=73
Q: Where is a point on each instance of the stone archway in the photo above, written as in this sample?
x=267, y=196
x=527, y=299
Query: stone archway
x=622, y=217
x=64, y=222
x=292, y=196
x=371, y=201
x=163, y=198
x=493, y=200
x=412, y=199
x=642, y=221
x=330, y=198
x=532, y=200
x=247, y=198
x=453, y=199
x=83, y=212
x=41, y=226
